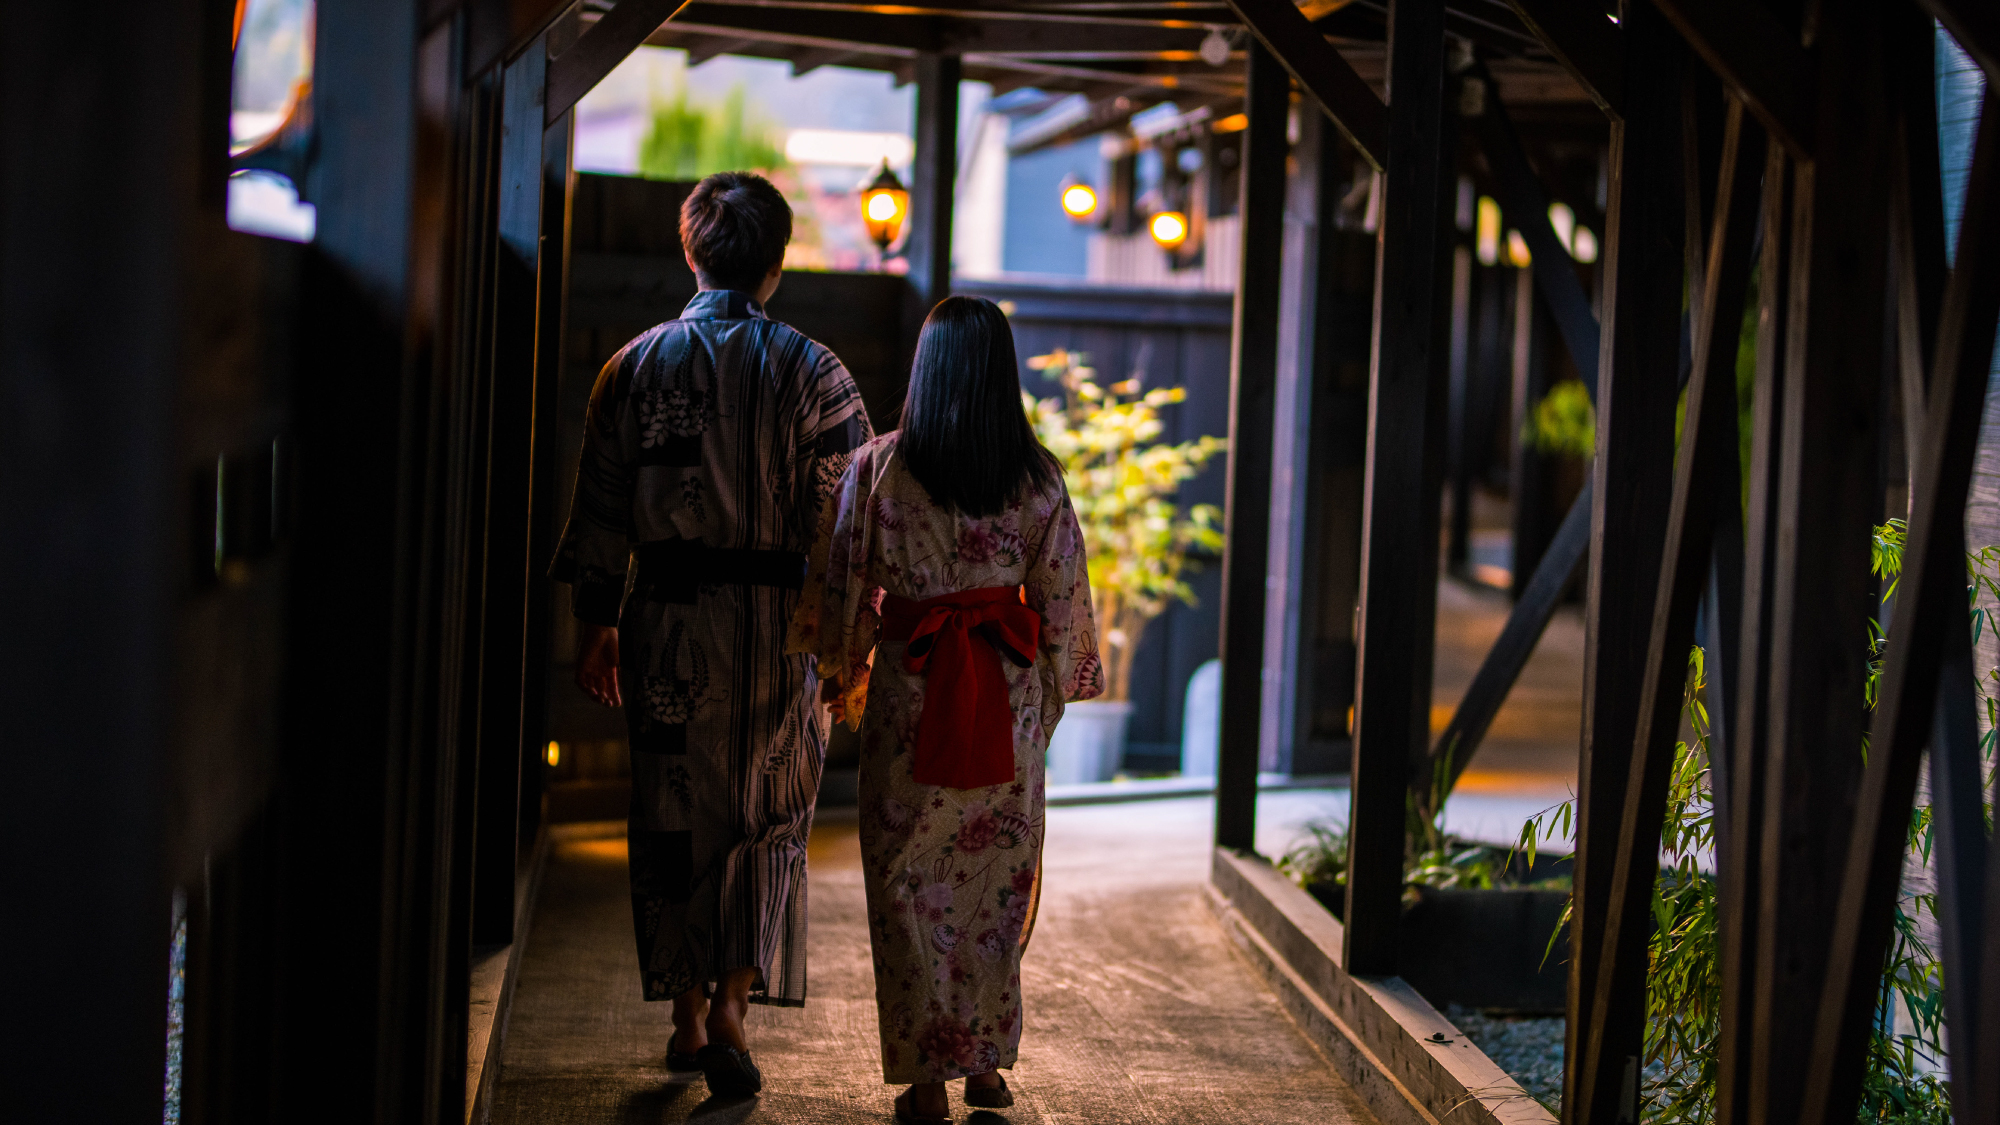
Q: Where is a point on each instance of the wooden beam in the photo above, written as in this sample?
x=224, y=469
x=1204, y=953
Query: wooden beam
x=1704, y=470
x=500, y=580
x=1738, y=866
x=1930, y=622
x=1917, y=223
x=934, y=178
x=1526, y=206
x=1757, y=57
x=948, y=34
x=1312, y=194
x=1584, y=40
x=1643, y=266
x=809, y=59
x=599, y=50
x=1531, y=523
x=1829, y=489
x=544, y=484
x=705, y=48
x=1252, y=402
x=1321, y=72
x=1398, y=602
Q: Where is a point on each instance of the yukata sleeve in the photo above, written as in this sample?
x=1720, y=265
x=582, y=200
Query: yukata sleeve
x=836, y=622
x=596, y=545
x=832, y=426
x=1058, y=588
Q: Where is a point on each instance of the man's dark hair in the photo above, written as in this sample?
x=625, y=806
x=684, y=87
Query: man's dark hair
x=966, y=437
x=735, y=226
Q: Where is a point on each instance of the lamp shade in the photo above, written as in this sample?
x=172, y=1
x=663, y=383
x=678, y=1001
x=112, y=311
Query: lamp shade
x=885, y=203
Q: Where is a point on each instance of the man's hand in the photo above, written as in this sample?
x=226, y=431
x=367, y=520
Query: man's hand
x=597, y=664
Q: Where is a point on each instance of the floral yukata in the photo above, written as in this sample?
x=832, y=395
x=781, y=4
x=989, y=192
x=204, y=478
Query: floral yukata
x=951, y=873
x=721, y=430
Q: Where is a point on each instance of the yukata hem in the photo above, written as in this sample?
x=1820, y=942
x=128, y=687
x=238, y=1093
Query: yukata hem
x=759, y=996
x=907, y=1076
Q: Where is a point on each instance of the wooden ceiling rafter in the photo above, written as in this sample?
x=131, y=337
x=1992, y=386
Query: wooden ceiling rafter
x=1757, y=57
x=1143, y=51
x=1584, y=41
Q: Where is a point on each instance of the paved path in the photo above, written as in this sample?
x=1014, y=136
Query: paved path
x=1138, y=1008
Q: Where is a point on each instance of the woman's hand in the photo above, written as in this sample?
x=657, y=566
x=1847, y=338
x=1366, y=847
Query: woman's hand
x=597, y=664
x=829, y=694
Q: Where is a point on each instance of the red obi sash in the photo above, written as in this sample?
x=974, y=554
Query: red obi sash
x=965, y=736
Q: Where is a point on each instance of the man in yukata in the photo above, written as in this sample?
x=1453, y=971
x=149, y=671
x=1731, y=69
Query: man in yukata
x=710, y=442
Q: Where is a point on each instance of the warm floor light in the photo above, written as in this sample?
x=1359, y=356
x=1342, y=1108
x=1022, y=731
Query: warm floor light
x=1583, y=245
x=1564, y=221
x=1517, y=250
x=1169, y=229
x=1078, y=201
x=555, y=753
x=1486, y=229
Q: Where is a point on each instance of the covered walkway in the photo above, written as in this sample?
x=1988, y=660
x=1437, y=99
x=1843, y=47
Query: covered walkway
x=1138, y=1007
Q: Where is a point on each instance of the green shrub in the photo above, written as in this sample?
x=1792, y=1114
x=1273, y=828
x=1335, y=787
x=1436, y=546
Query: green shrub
x=1904, y=1083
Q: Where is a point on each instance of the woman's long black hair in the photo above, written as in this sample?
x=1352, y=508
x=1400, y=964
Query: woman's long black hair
x=965, y=437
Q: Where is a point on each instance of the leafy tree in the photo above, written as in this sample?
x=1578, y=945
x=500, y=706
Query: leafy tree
x=1120, y=478
x=687, y=140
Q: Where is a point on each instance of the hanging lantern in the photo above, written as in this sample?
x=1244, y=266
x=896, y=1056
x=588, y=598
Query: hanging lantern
x=1079, y=200
x=1169, y=229
x=885, y=203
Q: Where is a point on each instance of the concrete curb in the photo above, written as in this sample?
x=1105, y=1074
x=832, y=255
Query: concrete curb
x=1405, y=1060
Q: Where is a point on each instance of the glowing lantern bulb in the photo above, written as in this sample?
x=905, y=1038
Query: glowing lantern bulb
x=885, y=202
x=555, y=753
x=1169, y=229
x=1078, y=201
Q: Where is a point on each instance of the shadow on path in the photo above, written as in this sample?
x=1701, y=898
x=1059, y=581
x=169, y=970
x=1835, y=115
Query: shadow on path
x=1137, y=1008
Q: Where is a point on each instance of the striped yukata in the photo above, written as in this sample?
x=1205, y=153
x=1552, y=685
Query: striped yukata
x=723, y=429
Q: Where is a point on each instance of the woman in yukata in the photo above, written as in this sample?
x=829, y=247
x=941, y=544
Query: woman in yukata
x=947, y=606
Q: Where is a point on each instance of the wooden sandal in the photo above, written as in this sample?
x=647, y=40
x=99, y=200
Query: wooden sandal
x=907, y=1116
x=680, y=1061
x=989, y=1097
x=730, y=1072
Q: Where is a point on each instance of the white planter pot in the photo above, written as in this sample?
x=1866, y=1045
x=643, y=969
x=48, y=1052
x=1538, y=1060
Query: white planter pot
x=1089, y=743
x=1201, y=721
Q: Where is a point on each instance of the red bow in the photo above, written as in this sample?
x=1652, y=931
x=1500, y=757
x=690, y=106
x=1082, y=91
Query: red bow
x=965, y=735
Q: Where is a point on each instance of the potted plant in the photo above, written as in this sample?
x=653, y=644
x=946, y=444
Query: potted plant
x=1121, y=478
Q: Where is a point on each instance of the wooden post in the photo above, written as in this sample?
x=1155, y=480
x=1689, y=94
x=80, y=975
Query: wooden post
x=1929, y=662
x=1828, y=490
x=1399, y=536
x=1531, y=523
x=1252, y=385
x=502, y=570
x=370, y=778
x=1287, y=634
x=1461, y=419
x=93, y=559
x=1632, y=485
x=1738, y=866
x=1705, y=473
x=544, y=487
x=934, y=178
